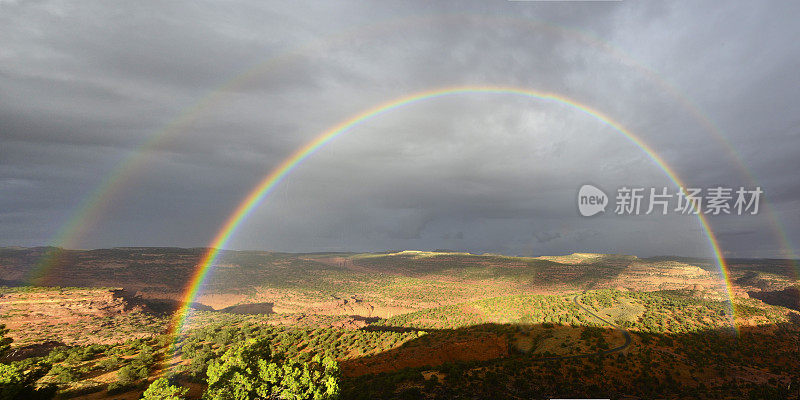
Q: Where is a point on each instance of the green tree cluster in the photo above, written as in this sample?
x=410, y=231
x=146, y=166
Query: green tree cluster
x=131, y=374
x=17, y=381
x=249, y=371
x=20, y=383
x=161, y=389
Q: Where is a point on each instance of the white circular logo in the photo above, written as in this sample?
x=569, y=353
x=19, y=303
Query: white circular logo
x=591, y=200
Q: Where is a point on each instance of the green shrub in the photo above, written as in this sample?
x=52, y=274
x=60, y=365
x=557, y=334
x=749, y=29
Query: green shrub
x=110, y=364
x=119, y=387
x=161, y=389
x=132, y=373
x=63, y=374
x=145, y=356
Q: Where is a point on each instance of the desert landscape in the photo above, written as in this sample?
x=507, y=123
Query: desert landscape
x=410, y=324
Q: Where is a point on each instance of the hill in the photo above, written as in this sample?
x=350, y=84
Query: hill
x=369, y=285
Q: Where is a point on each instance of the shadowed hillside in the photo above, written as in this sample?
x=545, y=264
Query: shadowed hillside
x=653, y=366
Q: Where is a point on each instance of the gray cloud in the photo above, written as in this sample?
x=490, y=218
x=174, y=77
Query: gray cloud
x=240, y=86
x=544, y=237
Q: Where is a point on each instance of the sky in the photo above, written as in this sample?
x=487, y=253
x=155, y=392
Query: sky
x=223, y=91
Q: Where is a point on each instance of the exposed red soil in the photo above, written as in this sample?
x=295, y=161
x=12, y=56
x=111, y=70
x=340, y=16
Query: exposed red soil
x=479, y=346
x=69, y=316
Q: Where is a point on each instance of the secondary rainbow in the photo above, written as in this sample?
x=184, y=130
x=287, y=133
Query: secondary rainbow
x=268, y=183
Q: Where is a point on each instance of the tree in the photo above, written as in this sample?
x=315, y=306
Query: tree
x=132, y=373
x=111, y=363
x=145, y=357
x=250, y=371
x=161, y=389
x=128, y=377
x=5, y=342
x=19, y=383
x=197, y=367
x=63, y=374
x=11, y=381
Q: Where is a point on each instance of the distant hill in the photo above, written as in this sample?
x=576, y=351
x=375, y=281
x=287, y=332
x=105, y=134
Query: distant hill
x=592, y=258
x=342, y=283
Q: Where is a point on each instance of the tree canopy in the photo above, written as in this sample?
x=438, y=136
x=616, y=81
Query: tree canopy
x=250, y=371
x=161, y=389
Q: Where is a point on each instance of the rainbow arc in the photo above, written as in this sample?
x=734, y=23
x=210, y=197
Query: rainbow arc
x=260, y=191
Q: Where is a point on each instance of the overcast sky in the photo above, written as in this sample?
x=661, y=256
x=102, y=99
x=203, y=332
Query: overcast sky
x=243, y=84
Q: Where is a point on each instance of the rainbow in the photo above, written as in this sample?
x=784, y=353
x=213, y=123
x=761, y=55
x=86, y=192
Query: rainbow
x=269, y=182
x=91, y=210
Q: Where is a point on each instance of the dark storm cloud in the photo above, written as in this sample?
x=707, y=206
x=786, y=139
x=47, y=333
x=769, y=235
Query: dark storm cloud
x=82, y=87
